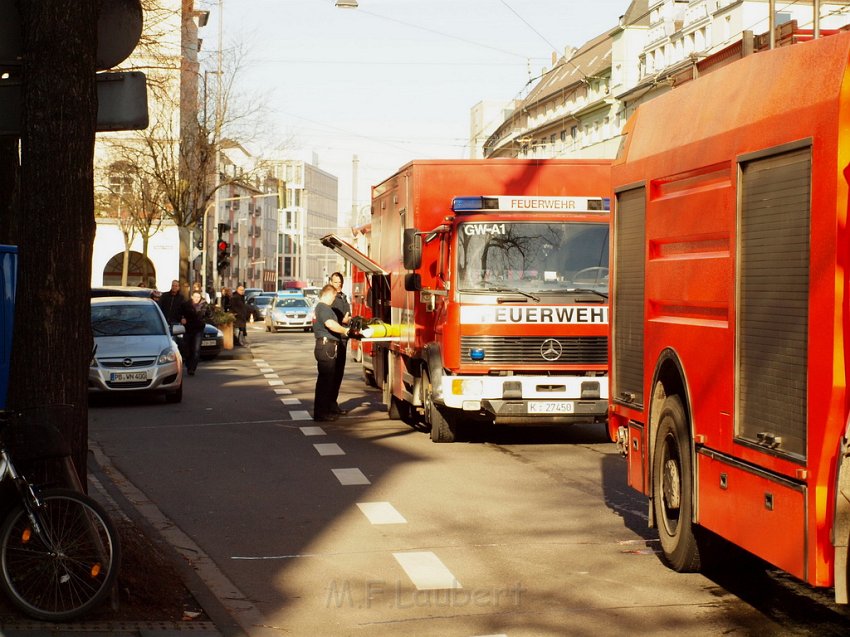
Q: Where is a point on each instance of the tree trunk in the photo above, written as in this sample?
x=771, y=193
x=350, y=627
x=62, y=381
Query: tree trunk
x=185, y=237
x=125, y=265
x=52, y=341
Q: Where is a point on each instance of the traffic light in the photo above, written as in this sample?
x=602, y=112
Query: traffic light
x=223, y=250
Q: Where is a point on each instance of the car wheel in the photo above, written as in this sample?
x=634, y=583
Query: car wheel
x=175, y=396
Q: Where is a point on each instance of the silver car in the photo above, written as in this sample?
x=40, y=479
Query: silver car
x=289, y=312
x=134, y=349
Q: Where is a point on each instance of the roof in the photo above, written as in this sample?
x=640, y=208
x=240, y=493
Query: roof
x=637, y=14
x=589, y=61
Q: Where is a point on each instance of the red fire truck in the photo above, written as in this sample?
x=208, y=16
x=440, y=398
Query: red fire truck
x=730, y=340
x=494, y=276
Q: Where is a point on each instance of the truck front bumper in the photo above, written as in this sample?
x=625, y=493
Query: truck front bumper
x=518, y=400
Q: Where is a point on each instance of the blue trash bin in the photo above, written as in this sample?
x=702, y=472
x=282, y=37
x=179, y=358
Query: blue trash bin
x=8, y=283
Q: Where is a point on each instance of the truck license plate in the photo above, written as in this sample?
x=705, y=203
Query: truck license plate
x=551, y=407
x=128, y=377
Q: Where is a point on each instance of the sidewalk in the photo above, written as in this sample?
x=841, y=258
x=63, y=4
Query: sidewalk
x=102, y=489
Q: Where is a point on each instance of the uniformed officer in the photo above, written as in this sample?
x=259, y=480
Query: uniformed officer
x=342, y=309
x=328, y=333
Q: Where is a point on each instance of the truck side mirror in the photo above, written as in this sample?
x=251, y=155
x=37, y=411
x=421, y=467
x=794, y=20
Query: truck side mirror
x=412, y=282
x=412, y=249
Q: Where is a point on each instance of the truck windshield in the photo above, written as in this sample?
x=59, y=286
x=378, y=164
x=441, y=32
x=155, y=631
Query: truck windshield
x=533, y=257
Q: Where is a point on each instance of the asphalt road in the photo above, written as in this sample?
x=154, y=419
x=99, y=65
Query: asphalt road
x=365, y=527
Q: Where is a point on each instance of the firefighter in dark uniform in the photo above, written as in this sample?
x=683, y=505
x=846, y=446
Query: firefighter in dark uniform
x=328, y=333
x=342, y=309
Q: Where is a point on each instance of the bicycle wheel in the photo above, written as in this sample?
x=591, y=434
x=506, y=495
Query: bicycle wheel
x=72, y=569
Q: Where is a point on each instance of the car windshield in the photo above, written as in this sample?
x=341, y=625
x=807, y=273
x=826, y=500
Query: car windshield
x=126, y=320
x=262, y=300
x=292, y=303
x=532, y=257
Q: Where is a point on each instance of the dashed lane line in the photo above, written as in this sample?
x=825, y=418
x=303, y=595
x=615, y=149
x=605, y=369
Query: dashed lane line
x=299, y=414
x=381, y=513
x=349, y=477
x=426, y=571
x=313, y=431
x=329, y=449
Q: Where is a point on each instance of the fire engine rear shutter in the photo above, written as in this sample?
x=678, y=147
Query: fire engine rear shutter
x=629, y=296
x=773, y=292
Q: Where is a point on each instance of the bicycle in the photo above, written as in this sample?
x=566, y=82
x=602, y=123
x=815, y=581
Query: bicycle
x=59, y=550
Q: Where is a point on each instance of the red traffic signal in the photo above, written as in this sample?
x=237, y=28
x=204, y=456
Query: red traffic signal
x=222, y=246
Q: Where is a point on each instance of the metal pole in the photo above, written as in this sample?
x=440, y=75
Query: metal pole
x=771, y=18
x=816, y=9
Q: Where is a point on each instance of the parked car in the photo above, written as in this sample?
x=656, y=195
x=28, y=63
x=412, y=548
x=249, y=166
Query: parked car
x=258, y=306
x=134, y=350
x=121, y=290
x=289, y=312
x=252, y=292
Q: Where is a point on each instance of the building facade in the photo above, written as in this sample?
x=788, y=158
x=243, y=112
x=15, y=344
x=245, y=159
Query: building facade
x=310, y=211
x=578, y=107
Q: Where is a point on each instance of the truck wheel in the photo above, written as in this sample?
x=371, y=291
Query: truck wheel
x=442, y=428
x=672, y=489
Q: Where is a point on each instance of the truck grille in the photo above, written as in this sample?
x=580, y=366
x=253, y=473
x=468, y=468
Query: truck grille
x=591, y=350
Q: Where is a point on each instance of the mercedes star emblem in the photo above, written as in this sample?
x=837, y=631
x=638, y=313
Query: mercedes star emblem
x=551, y=349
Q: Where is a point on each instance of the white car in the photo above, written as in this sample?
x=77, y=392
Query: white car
x=134, y=351
x=289, y=312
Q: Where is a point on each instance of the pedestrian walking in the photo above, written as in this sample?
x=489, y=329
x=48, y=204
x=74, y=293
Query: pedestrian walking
x=225, y=299
x=171, y=302
x=328, y=333
x=342, y=310
x=194, y=314
x=240, y=310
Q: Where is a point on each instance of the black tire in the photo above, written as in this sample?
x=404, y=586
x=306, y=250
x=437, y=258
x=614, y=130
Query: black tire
x=65, y=581
x=443, y=428
x=672, y=489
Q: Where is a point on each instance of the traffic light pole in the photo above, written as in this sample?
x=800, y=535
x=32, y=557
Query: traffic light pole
x=205, y=245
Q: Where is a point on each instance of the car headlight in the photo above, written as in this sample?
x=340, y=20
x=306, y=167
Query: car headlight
x=168, y=355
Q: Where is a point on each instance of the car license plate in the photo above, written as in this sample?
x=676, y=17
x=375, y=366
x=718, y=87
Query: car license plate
x=550, y=407
x=208, y=342
x=128, y=377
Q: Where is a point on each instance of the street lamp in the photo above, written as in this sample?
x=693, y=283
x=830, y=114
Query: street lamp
x=346, y=4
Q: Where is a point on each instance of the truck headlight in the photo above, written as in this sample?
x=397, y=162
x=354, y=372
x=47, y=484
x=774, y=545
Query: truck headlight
x=462, y=387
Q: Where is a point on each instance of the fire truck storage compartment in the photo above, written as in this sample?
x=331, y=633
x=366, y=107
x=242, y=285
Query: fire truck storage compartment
x=629, y=292
x=773, y=297
x=756, y=510
x=636, y=475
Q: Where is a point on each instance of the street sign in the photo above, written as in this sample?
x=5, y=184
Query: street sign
x=119, y=27
x=122, y=103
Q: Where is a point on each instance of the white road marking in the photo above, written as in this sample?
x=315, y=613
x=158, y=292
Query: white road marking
x=312, y=431
x=272, y=375
x=259, y=361
x=300, y=415
x=275, y=383
x=290, y=401
x=266, y=370
x=381, y=513
x=426, y=571
x=348, y=477
x=282, y=391
x=329, y=449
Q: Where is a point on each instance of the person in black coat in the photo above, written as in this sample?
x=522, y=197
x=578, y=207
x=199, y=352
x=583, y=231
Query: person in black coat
x=193, y=316
x=171, y=302
x=240, y=310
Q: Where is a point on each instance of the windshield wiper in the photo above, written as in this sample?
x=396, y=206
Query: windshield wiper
x=603, y=295
x=527, y=295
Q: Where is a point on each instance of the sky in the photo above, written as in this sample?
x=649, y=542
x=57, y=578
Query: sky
x=392, y=80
